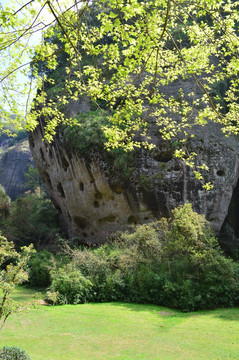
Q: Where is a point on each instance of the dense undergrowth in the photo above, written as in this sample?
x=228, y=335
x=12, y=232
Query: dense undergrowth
x=174, y=262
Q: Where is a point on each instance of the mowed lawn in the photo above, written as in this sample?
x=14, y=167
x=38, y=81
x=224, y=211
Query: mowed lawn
x=122, y=331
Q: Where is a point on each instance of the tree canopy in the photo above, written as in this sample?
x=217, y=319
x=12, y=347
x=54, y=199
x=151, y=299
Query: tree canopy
x=134, y=50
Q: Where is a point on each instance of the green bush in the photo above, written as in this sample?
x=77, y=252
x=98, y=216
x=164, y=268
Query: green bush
x=86, y=133
x=173, y=262
x=94, y=265
x=199, y=276
x=13, y=353
x=72, y=286
x=40, y=265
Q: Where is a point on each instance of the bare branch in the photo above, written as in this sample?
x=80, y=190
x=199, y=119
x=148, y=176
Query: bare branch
x=62, y=27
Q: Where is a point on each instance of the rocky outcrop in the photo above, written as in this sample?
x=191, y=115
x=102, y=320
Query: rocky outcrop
x=97, y=201
x=15, y=159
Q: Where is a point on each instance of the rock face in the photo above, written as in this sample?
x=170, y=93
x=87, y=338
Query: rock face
x=15, y=160
x=97, y=201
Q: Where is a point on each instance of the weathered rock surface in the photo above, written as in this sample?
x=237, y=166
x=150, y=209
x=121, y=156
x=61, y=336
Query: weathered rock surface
x=15, y=160
x=96, y=201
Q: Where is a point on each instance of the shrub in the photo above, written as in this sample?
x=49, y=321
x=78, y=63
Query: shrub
x=86, y=132
x=173, y=262
x=198, y=274
x=13, y=353
x=94, y=265
x=40, y=265
x=72, y=286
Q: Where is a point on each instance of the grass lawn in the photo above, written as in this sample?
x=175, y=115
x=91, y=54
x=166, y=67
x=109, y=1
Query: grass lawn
x=121, y=331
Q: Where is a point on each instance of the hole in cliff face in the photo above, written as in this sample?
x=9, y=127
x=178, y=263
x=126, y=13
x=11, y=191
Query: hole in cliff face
x=64, y=162
x=132, y=219
x=163, y=156
x=116, y=189
x=220, y=173
x=84, y=234
x=109, y=218
x=81, y=186
x=96, y=204
x=60, y=190
x=80, y=222
x=98, y=195
x=57, y=206
x=47, y=179
x=31, y=142
x=42, y=155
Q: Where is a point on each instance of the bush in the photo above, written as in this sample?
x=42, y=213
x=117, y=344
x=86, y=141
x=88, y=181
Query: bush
x=72, y=286
x=40, y=265
x=86, y=132
x=94, y=265
x=13, y=353
x=173, y=262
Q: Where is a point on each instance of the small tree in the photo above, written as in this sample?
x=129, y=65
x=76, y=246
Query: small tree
x=12, y=273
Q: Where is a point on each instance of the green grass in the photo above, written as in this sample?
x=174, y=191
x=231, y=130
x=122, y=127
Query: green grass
x=22, y=293
x=120, y=331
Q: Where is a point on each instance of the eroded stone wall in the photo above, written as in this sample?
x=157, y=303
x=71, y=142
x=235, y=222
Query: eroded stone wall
x=96, y=201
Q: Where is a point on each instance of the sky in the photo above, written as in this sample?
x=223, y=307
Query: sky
x=21, y=78
x=46, y=17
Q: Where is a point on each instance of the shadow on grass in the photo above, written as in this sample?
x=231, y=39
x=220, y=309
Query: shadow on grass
x=227, y=314
x=155, y=309
x=23, y=293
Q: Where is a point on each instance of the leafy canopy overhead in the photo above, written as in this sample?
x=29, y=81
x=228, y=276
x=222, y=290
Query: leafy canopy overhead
x=135, y=50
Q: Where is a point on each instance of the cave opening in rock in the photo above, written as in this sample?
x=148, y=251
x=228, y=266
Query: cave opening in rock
x=60, y=190
x=220, y=172
x=80, y=222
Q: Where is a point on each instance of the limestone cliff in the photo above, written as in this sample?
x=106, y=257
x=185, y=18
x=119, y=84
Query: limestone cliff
x=97, y=201
x=15, y=159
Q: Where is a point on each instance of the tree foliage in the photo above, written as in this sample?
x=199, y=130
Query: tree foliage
x=5, y=202
x=13, y=353
x=13, y=272
x=32, y=219
x=135, y=50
